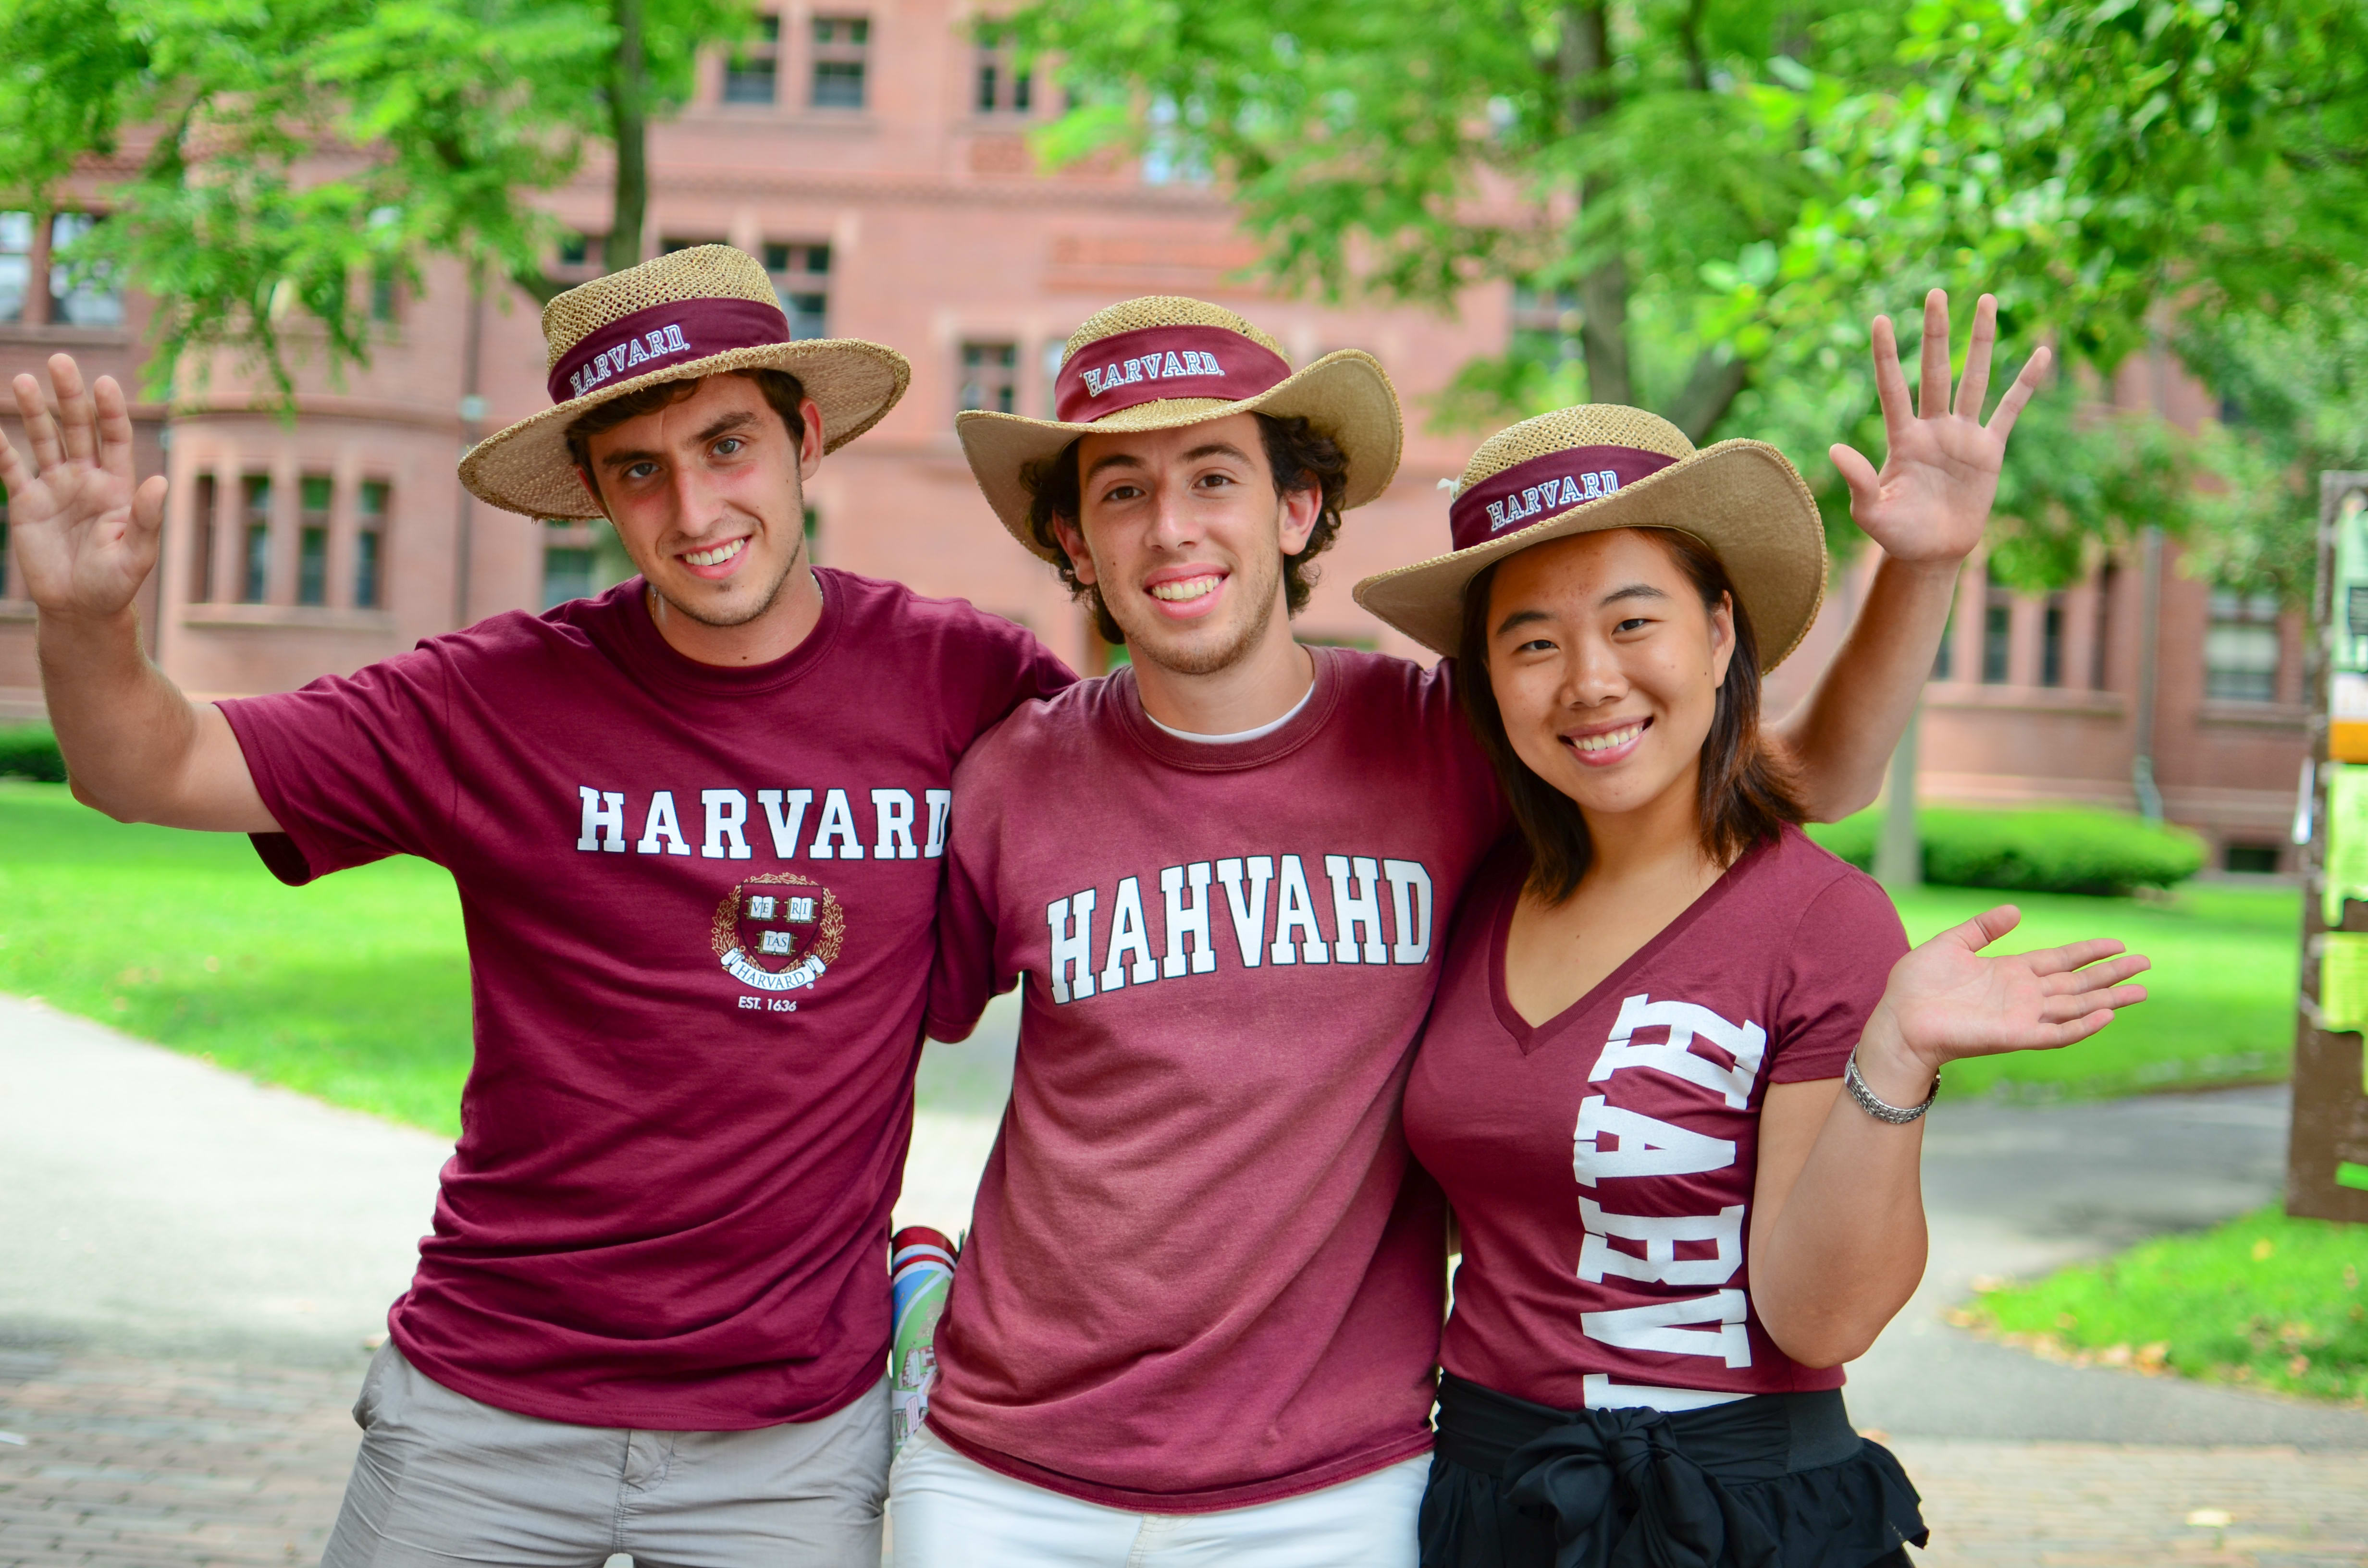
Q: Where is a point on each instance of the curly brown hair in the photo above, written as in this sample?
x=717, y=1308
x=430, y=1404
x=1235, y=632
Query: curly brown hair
x=1301, y=457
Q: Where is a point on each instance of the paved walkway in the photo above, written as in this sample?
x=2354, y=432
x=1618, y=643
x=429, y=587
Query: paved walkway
x=193, y=1266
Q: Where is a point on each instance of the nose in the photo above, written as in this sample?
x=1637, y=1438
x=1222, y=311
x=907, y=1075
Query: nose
x=697, y=507
x=1173, y=526
x=1592, y=674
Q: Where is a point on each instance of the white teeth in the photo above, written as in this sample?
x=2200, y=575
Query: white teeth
x=1606, y=741
x=1188, y=588
x=716, y=557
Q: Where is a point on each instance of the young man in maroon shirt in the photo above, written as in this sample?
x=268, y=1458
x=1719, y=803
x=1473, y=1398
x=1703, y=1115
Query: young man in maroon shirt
x=1198, y=1314
x=699, y=859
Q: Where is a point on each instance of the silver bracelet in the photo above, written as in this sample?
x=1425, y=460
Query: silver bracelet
x=1878, y=1107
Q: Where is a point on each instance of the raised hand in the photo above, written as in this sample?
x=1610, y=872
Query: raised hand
x=84, y=530
x=1940, y=467
x=1946, y=1001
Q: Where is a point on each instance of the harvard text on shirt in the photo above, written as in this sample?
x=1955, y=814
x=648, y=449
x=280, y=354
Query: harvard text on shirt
x=1380, y=909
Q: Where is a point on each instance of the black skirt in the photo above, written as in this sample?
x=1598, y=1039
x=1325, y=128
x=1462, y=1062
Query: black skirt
x=1774, y=1480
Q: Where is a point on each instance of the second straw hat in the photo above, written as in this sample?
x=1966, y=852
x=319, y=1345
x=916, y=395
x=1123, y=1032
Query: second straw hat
x=1164, y=362
x=1603, y=465
x=691, y=313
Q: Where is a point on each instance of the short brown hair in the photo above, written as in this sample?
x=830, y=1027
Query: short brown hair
x=781, y=390
x=1743, y=794
x=1302, y=456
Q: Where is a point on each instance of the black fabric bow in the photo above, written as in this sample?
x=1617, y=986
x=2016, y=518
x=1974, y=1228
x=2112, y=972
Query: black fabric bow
x=1622, y=1496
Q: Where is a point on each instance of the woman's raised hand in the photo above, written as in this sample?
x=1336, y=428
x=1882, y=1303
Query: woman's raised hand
x=1946, y=1000
x=1940, y=465
x=84, y=526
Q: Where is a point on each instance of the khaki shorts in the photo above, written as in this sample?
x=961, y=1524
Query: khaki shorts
x=443, y=1479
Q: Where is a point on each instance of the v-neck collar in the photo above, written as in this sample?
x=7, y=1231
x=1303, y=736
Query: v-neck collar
x=1527, y=1036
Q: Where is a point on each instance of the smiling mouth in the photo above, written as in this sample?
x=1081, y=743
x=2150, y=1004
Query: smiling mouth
x=1186, y=589
x=717, y=556
x=1611, y=739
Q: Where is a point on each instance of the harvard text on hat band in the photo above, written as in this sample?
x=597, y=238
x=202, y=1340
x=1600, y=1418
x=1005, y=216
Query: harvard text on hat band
x=1551, y=483
x=680, y=332
x=655, y=344
x=1130, y=368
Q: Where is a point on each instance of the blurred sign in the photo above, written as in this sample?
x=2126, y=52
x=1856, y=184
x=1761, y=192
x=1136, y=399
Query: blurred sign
x=2326, y=1153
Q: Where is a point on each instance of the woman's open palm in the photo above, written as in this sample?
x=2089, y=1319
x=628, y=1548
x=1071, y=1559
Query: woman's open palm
x=1950, y=1001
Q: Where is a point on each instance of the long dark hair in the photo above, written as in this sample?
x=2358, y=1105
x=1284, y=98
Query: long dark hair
x=1744, y=796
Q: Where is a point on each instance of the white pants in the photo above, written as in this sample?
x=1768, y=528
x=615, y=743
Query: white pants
x=946, y=1510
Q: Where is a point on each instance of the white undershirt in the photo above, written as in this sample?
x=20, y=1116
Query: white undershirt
x=1238, y=736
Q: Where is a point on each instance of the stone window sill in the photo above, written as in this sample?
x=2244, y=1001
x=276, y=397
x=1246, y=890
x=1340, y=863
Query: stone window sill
x=2024, y=698
x=2260, y=715
x=311, y=617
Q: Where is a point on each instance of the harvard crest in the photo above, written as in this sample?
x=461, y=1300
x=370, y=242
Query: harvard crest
x=778, y=931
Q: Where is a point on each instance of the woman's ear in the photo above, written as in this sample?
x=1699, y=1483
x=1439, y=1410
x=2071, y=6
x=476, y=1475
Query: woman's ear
x=1722, y=638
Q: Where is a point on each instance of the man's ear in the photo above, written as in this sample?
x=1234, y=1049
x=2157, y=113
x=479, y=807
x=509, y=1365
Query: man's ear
x=1073, y=541
x=1301, y=508
x=810, y=439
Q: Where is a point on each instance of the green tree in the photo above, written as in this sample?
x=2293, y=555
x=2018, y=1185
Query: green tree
x=293, y=154
x=1729, y=189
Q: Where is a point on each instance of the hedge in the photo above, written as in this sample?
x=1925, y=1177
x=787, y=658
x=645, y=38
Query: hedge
x=30, y=751
x=2040, y=849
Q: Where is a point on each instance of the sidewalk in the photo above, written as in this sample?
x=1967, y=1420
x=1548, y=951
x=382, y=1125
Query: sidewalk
x=194, y=1264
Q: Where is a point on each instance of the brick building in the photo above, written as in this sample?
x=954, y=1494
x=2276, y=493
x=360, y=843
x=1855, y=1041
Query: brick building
x=875, y=157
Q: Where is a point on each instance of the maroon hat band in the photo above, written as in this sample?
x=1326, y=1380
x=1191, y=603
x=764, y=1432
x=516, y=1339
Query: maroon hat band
x=678, y=334
x=1555, y=482
x=1154, y=362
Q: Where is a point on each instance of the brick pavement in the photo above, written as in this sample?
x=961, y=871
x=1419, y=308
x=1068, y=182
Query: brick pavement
x=193, y=1464
x=135, y=1463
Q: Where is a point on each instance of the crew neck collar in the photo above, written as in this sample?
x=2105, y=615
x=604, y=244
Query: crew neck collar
x=647, y=651
x=1238, y=737
x=1226, y=754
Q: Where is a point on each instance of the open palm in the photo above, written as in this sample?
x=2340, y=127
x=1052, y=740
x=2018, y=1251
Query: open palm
x=1948, y=1001
x=1940, y=466
x=85, y=530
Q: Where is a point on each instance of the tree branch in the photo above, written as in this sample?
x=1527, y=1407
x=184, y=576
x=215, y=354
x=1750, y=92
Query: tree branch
x=1709, y=390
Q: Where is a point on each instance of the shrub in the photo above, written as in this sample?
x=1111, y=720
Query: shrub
x=30, y=751
x=2041, y=849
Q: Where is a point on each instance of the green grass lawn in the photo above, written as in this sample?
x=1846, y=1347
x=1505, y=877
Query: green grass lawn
x=2220, y=1005
x=2263, y=1300
x=355, y=988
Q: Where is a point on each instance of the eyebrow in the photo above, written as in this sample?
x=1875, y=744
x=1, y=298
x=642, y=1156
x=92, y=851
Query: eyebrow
x=721, y=427
x=1128, y=460
x=1628, y=591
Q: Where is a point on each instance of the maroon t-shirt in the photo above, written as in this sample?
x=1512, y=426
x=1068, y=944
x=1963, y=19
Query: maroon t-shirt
x=1601, y=1164
x=700, y=905
x=1199, y=1275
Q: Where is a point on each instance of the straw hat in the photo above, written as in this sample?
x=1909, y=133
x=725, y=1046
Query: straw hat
x=689, y=314
x=1604, y=466
x=1164, y=362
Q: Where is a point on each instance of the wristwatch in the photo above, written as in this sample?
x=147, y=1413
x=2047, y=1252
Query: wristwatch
x=1880, y=1108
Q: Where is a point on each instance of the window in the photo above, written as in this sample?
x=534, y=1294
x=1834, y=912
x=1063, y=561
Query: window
x=1055, y=353
x=255, y=559
x=369, y=544
x=382, y=293
x=1545, y=324
x=673, y=242
x=202, y=541
x=94, y=301
x=1944, y=657
x=1003, y=86
x=801, y=275
x=313, y=540
x=1998, y=624
x=566, y=573
x=2098, y=640
x=2241, y=650
x=751, y=74
x=2051, y=642
x=2254, y=857
x=15, y=264
x=839, y=46
x=990, y=376
x=578, y=256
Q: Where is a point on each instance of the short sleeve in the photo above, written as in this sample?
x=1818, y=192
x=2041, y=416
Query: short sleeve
x=1839, y=958
x=353, y=767
x=963, y=978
